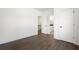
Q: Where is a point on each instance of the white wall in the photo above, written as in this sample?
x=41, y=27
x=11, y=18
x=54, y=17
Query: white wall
x=17, y=23
x=64, y=18
x=56, y=23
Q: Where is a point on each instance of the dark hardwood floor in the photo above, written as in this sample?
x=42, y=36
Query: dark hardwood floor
x=39, y=42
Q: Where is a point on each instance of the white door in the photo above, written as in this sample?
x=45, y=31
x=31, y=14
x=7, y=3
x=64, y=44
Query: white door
x=63, y=24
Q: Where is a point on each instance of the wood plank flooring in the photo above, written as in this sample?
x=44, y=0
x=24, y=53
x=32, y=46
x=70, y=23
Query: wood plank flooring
x=39, y=42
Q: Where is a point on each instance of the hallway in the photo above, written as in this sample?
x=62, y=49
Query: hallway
x=39, y=42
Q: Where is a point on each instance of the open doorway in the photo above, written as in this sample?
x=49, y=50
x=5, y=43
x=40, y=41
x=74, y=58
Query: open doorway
x=39, y=25
x=46, y=25
x=51, y=18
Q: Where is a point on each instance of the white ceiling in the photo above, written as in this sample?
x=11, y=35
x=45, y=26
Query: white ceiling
x=48, y=11
x=44, y=9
